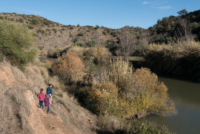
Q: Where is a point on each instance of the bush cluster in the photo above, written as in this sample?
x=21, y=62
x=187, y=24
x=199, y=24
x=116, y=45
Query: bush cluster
x=40, y=31
x=124, y=93
x=34, y=21
x=16, y=43
x=69, y=67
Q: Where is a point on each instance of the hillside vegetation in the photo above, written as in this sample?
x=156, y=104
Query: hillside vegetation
x=171, y=29
x=52, y=35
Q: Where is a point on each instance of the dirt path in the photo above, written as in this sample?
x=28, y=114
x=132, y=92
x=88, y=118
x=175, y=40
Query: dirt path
x=54, y=124
x=44, y=123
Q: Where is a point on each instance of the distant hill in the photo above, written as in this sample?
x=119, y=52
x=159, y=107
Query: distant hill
x=51, y=34
x=168, y=28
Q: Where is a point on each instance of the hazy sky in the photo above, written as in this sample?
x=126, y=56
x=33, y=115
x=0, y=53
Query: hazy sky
x=108, y=13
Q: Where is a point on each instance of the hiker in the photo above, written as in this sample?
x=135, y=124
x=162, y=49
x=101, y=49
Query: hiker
x=50, y=93
x=46, y=102
x=41, y=98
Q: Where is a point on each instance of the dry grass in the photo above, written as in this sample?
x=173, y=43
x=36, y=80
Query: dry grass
x=178, y=59
x=110, y=123
x=15, y=109
x=95, y=51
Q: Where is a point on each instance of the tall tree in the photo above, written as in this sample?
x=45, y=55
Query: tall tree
x=182, y=12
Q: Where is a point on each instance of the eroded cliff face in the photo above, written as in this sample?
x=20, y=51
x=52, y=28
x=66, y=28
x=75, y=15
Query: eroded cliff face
x=20, y=113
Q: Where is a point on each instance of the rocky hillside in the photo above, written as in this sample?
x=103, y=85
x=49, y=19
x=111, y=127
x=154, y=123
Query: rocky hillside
x=49, y=34
x=20, y=113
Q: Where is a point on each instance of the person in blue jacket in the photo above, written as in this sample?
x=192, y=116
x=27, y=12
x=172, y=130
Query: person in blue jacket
x=50, y=93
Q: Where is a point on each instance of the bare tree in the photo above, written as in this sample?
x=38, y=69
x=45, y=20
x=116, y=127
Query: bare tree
x=183, y=33
x=126, y=43
x=144, y=41
x=98, y=38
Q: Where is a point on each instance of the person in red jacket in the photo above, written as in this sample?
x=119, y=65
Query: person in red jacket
x=41, y=98
x=46, y=102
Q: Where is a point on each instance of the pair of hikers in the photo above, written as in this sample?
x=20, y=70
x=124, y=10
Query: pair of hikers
x=47, y=98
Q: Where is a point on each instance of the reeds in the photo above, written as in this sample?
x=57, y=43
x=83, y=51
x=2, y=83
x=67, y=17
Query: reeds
x=181, y=59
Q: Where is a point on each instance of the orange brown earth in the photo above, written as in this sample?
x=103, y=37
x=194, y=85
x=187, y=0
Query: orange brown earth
x=20, y=113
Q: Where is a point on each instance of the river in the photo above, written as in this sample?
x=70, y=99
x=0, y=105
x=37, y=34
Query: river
x=186, y=95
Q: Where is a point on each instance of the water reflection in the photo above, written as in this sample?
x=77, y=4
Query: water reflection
x=186, y=95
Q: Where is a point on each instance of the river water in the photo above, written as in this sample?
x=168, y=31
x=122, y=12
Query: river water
x=186, y=95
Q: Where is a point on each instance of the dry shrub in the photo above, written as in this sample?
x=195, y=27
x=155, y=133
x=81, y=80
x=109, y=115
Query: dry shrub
x=121, y=73
x=69, y=67
x=101, y=97
x=109, y=123
x=47, y=63
x=124, y=93
x=177, y=59
x=44, y=72
x=93, y=52
x=150, y=94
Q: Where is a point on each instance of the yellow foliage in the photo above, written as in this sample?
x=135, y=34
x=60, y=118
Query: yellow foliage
x=150, y=93
x=121, y=73
x=102, y=94
x=125, y=93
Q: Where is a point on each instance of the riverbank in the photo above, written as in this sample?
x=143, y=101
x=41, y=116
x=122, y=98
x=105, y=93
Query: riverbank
x=181, y=59
x=185, y=94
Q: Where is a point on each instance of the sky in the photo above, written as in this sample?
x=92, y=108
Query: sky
x=107, y=13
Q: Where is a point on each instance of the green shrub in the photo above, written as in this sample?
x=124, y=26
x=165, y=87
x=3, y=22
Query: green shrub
x=97, y=26
x=30, y=27
x=114, y=34
x=104, y=33
x=1, y=17
x=137, y=34
x=16, y=43
x=1, y=57
x=40, y=47
x=75, y=40
x=80, y=34
x=70, y=27
x=79, y=44
x=40, y=31
x=90, y=43
x=46, y=22
x=15, y=13
x=21, y=20
x=34, y=21
x=6, y=17
x=55, y=30
x=24, y=16
x=12, y=19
